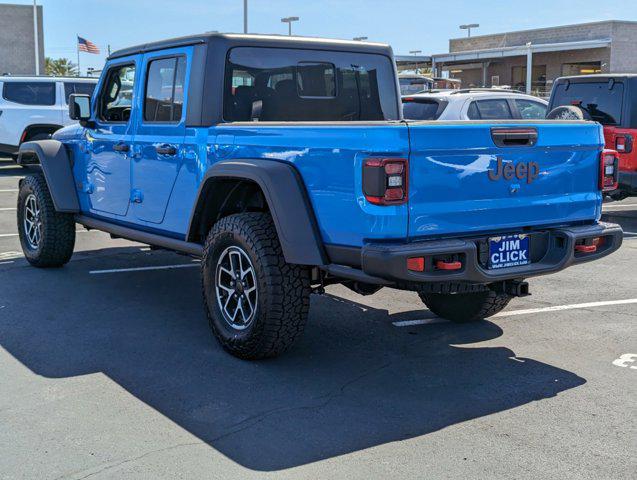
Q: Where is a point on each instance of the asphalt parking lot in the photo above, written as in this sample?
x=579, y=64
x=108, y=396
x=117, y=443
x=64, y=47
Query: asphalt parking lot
x=108, y=370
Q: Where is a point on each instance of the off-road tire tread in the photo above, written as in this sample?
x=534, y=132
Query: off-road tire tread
x=279, y=325
x=466, y=307
x=58, y=229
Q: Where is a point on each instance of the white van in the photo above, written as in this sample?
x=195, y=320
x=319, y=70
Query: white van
x=32, y=108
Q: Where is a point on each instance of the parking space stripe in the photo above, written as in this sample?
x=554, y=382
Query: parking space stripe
x=7, y=209
x=12, y=190
x=144, y=269
x=556, y=308
x=574, y=306
x=410, y=323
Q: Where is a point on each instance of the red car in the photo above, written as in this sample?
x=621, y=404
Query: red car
x=610, y=99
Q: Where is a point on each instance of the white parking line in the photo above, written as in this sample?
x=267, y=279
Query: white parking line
x=527, y=311
x=12, y=190
x=7, y=209
x=623, y=205
x=144, y=269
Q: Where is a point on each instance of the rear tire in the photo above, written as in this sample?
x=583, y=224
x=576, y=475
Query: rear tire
x=47, y=236
x=465, y=307
x=257, y=304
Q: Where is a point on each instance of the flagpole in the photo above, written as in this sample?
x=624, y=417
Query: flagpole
x=77, y=45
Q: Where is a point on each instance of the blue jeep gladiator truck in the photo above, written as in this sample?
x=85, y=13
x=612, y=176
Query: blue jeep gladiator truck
x=285, y=165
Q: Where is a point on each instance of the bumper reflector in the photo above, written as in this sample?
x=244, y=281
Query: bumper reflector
x=416, y=264
x=586, y=248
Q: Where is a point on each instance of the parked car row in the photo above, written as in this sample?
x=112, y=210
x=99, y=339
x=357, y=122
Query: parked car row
x=32, y=108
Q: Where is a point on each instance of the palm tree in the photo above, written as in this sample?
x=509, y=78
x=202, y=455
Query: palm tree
x=60, y=67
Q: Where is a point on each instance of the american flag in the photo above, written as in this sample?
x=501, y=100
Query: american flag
x=87, y=46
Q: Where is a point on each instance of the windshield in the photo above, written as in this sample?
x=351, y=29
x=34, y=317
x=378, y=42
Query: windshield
x=602, y=101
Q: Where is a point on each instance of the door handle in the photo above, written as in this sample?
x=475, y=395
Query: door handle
x=166, y=150
x=121, y=147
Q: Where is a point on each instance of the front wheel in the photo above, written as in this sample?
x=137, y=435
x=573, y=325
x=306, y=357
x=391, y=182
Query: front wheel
x=257, y=304
x=47, y=236
x=465, y=307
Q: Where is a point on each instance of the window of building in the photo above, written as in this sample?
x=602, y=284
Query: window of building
x=530, y=110
x=494, y=109
x=29, y=93
x=78, y=87
x=116, y=97
x=581, y=68
x=268, y=84
x=165, y=90
x=538, y=78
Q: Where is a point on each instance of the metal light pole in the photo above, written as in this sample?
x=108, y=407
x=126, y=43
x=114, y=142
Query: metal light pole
x=35, y=37
x=468, y=27
x=245, y=16
x=414, y=53
x=359, y=39
x=289, y=21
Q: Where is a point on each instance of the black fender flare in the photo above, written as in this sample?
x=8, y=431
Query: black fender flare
x=287, y=199
x=56, y=166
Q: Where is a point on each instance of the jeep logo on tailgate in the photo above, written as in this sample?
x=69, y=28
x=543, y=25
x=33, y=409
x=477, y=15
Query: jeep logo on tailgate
x=528, y=170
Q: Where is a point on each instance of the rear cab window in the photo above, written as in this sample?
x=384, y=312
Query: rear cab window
x=29, y=93
x=85, y=88
x=602, y=100
x=281, y=85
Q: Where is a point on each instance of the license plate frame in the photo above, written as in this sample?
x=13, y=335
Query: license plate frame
x=508, y=251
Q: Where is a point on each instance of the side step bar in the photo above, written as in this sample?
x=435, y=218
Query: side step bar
x=194, y=249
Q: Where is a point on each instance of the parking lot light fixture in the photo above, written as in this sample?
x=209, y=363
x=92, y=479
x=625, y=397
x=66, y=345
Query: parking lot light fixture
x=468, y=27
x=289, y=21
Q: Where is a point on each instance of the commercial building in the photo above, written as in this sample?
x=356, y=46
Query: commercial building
x=17, y=40
x=530, y=60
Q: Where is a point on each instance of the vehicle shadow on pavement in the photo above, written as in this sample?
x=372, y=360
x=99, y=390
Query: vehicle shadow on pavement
x=354, y=382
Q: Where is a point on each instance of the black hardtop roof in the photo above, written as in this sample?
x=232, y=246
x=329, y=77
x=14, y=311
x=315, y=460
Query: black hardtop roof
x=229, y=40
x=597, y=77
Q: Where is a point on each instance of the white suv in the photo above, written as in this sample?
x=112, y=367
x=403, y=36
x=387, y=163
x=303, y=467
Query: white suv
x=32, y=108
x=473, y=104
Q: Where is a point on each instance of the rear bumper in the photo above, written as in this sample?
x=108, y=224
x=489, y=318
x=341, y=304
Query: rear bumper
x=557, y=252
x=628, y=182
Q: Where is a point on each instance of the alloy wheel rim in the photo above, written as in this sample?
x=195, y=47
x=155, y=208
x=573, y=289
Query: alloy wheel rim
x=32, y=222
x=236, y=288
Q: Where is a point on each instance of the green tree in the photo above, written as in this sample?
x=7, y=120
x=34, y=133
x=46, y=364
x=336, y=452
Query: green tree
x=60, y=67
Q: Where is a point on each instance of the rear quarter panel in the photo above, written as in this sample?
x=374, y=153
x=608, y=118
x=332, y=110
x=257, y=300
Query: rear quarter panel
x=329, y=159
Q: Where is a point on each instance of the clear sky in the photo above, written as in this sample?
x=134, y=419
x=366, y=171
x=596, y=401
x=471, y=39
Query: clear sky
x=405, y=24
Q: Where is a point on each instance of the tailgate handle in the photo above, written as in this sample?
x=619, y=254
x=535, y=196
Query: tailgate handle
x=514, y=137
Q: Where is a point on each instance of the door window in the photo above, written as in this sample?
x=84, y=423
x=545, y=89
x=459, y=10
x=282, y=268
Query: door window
x=494, y=109
x=530, y=110
x=30, y=93
x=116, y=97
x=164, y=99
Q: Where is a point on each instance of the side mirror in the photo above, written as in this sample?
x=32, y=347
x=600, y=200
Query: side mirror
x=79, y=107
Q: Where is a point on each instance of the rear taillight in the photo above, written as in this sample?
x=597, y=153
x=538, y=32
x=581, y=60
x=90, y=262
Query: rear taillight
x=624, y=143
x=608, y=170
x=385, y=180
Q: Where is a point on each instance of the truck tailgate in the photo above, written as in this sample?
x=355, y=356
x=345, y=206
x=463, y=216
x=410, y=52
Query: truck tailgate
x=459, y=181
